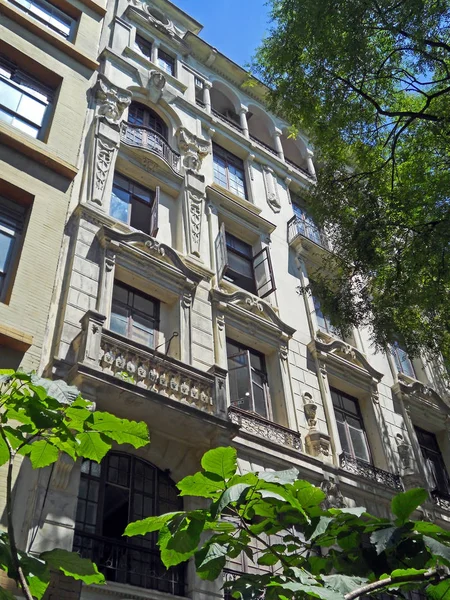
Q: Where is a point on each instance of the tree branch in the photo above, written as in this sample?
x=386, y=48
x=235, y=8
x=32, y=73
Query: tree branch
x=431, y=574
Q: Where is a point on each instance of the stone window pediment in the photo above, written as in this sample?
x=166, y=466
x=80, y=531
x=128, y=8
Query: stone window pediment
x=158, y=262
x=421, y=397
x=250, y=313
x=339, y=354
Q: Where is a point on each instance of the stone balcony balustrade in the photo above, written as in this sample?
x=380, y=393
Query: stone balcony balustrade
x=114, y=355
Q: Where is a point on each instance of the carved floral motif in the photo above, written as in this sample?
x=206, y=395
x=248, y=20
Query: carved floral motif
x=112, y=100
x=194, y=149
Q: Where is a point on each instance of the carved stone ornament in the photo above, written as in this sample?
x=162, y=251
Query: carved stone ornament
x=334, y=498
x=155, y=85
x=111, y=100
x=195, y=204
x=270, y=184
x=404, y=452
x=104, y=152
x=194, y=149
x=158, y=19
x=61, y=472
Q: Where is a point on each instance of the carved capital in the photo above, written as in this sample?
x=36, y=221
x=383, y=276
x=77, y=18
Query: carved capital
x=111, y=100
x=155, y=86
x=284, y=352
x=194, y=149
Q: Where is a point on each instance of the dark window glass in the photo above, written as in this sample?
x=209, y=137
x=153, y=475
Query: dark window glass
x=402, y=361
x=24, y=101
x=229, y=171
x=248, y=379
x=11, y=228
x=124, y=488
x=434, y=460
x=166, y=62
x=305, y=224
x=131, y=203
x=134, y=315
x=143, y=46
x=138, y=114
x=240, y=263
x=323, y=321
x=350, y=426
x=47, y=14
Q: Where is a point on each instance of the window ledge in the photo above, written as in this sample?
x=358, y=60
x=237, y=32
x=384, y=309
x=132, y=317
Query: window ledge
x=239, y=205
x=14, y=338
x=35, y=149
x=46, y=34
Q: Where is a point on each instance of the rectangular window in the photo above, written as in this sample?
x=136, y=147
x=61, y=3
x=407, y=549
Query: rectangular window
x=350, y=426
x=236, y=263
x=46, y=13
x=135, y=205
x=143, y=46
x=434, y=460
x=12, y=218
x=229, y=171
x=166, y=62
x=24, y=102
x=402, y=361
x=199, y=85
x=134, y=315
x=248, y=379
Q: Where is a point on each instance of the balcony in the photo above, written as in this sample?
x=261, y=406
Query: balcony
x=136, y=563
x=302, y=226
x=111, y=354
x=301, y=169
x=227, y=120
x=146, y=138
x=255, y=425
x=367, y=471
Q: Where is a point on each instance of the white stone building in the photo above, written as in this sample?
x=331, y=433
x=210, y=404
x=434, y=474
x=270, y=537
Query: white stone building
x=186, y=250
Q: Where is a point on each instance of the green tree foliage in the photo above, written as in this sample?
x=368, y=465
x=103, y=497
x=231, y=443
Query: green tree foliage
x=369, y=82
x=43, y=419
x=335, y=554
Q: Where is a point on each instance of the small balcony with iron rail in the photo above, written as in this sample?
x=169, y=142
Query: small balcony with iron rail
x=146, y=138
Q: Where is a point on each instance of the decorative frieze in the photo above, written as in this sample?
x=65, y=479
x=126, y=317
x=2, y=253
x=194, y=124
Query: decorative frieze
x=264, y=429
x=365, y=470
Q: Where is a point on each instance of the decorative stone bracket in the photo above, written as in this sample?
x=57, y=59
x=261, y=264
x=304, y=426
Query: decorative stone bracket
x=193, y=148
x=271, y=186
x=317, y=443
x=111, y=100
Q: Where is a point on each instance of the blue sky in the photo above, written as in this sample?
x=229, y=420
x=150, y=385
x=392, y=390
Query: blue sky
x=234, y=27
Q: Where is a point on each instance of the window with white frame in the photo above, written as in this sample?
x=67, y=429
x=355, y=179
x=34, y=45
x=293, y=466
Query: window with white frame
x=324, y=322
x=166, y=62
x=134, y=204
x=12, y=218
x=47, y=14
x=237, y=263
x=350, y=424
x=24, y=101
x=134, y=315
x=247, y=378
x=229, y=171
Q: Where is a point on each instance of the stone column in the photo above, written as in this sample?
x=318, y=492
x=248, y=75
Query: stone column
x=278, y=145
x=310, y=163
x=243, y=120
x=206, y=96
x=186, y=322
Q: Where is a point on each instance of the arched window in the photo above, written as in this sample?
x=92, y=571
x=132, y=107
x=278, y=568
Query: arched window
x=124, y=488
x=141, y=115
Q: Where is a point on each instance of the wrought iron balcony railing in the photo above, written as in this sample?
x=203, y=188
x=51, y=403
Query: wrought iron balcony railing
x=256, y=425
x=227, y=120
x=112, y=354
x=149, y=139
x=136, y=563
x=263, y=145
x=364, y=469
x=299, y=226
x=441, y=500
x=295, y=166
